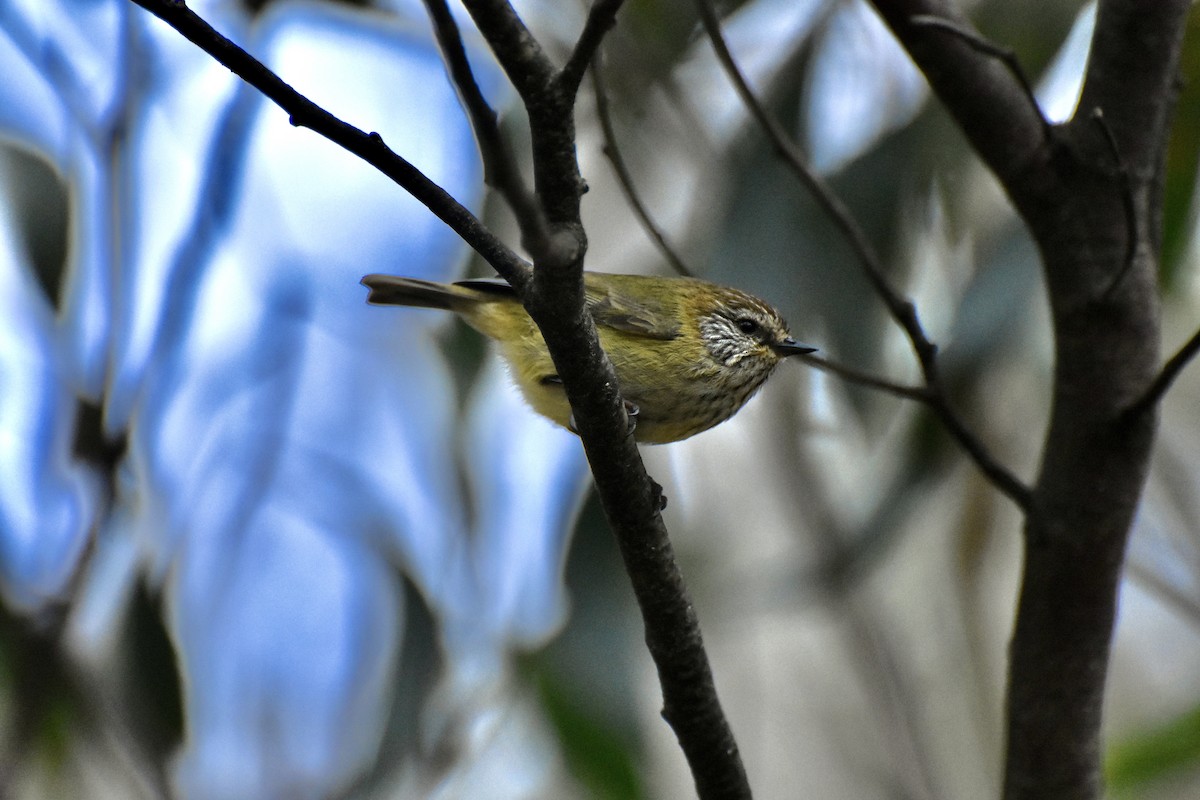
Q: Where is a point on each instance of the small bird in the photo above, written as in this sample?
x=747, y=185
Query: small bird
x=687, y=353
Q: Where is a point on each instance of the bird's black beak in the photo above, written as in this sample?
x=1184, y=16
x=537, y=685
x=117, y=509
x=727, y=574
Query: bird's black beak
x=790, y=347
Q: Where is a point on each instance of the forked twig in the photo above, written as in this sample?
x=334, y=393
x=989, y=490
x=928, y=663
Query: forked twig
x=936, y=401
x=631, y=502
x=902, y=310
x=1004, y=55
x=499, y=166
x=520, y=54
x=601, y=18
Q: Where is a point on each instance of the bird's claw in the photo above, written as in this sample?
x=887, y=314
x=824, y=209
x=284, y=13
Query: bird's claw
x=631, y=412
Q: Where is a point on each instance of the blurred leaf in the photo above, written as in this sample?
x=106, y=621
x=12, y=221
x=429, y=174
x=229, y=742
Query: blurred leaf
x=659, y=32
x=39, y=207
x=597, y=755
x=44, y=710
x=1135, y=763
x=152, y=681
x=587, y=698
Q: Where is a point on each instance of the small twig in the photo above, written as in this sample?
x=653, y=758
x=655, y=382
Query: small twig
x=902, y=310
x=930, y=396
x=613, y=153
x=367, y=146
x=499, y=166
x=1166, y=377
x=852, y=375
x=1132, y=232
x=1004, y=55
x=601, y=18
x=550, y=108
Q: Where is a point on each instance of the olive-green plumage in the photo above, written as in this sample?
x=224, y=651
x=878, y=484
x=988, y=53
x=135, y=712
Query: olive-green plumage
x=687, y=353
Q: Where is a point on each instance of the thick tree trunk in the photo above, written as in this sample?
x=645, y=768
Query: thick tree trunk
x=1090, y=192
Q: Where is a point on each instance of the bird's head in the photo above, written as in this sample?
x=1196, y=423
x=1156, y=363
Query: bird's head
x=742, y=333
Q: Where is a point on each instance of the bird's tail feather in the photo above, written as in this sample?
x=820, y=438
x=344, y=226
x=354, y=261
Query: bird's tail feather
x=392, y=290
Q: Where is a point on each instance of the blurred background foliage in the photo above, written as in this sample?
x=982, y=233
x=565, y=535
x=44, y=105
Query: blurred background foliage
x=470, y=632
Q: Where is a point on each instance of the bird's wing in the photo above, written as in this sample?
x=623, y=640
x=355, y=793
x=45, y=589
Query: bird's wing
x=619, y=311
x=610, y=307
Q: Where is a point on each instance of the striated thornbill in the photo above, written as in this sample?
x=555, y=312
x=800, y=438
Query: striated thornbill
x=687, y=353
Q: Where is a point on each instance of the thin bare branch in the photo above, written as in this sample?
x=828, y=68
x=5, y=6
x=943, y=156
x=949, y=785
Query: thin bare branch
x=1075, y=536
x=601, y=18
x=551, y=112
x=851, y=375
x=902, y=310
x=367, y=146
x=1166, y=377
x=929, y=395
x=500, y=169
x=613, y=153
x=989, y=100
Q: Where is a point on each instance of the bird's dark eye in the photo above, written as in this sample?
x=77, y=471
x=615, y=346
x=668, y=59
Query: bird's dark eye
x=746, y=325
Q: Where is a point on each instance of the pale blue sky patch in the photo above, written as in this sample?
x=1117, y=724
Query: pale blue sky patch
x=529, y=477
x=182, y=170
x=1058, y=90
x=74, y=50
x=291, y=653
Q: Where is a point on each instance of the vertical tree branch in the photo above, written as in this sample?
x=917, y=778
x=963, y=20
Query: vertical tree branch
x=631, y=500
x=500, y=170
x=551, y=110
x=601, y=17
x=981, y=92
x=1095, y=456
